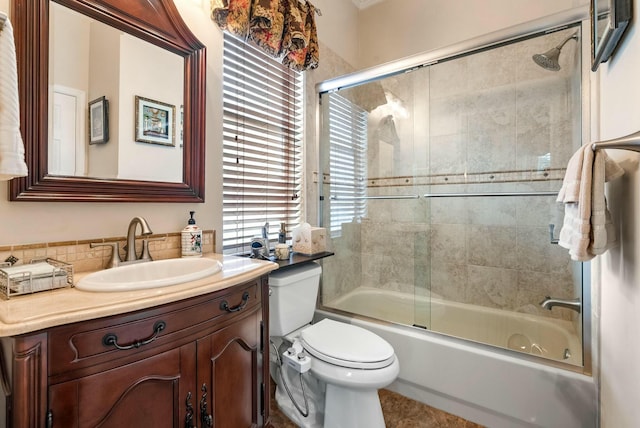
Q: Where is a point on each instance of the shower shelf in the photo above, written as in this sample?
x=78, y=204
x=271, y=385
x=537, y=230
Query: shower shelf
x=628, y=142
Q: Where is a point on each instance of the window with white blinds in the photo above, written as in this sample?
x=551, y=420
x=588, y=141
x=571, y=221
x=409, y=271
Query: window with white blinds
x=262, y=145
x=347, y=161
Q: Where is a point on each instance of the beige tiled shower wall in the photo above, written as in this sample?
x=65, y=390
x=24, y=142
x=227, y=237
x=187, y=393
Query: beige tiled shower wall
x=85, y=259
x=481, y=123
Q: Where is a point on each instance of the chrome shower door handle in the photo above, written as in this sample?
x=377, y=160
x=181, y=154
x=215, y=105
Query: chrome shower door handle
x=552, y=239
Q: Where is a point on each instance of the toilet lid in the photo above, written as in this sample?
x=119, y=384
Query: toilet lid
x=347, y=345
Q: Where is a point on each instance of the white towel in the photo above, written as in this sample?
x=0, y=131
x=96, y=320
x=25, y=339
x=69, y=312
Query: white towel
x=12, y=162
x=587, y=230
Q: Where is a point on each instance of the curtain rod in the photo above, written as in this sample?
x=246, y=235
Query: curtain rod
x=628, y=142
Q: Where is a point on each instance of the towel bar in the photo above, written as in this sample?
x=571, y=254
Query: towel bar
x=628, y=142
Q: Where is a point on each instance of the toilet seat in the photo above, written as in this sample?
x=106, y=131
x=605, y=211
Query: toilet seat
x=346, y=345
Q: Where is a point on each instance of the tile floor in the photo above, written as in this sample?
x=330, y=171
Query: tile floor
x=399, y=412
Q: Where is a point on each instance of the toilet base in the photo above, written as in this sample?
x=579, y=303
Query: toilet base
x=330, y=406
x=349, y=408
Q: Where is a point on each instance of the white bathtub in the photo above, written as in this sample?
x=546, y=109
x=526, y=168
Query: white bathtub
x=487, y=385
x=547, y=337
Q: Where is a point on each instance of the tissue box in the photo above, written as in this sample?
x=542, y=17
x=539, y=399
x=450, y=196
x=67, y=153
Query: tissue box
x=310, y=240
x=39, y=275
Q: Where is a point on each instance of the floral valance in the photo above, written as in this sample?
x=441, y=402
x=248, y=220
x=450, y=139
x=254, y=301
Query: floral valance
x=284, y=29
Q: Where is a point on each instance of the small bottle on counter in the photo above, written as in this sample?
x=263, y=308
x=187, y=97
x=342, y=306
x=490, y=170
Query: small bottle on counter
x=282, y=235
x=191, y=239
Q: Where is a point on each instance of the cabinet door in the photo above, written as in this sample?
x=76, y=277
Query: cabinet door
x=228, y=375
x=148, y=393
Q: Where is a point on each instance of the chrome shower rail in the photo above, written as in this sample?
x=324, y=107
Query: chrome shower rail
x=354, y=198
x=628, y=142
x=545, y=24
x=487, y=194
x=446, y=195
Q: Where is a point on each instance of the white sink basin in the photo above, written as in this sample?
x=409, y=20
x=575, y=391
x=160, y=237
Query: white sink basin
x=158, y=273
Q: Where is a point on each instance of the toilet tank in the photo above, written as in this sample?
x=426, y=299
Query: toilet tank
x=294, y=292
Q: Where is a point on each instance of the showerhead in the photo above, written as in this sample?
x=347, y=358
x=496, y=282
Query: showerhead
x=549, y=59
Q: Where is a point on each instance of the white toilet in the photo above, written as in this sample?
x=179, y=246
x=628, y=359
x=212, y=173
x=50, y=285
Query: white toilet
x=347, y=364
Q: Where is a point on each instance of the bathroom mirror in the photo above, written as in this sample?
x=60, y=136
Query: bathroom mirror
x=609, y=20
x=156, y=23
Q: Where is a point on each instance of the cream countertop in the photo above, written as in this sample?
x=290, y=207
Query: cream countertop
x=24, y=314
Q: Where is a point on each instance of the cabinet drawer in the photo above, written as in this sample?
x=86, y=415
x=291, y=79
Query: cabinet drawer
x=107, y=342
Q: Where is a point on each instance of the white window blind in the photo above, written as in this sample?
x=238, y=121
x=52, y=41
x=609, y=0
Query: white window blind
x=262, y=145
x=348, y=161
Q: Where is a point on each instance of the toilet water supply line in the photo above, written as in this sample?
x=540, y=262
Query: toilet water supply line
x=279, y=362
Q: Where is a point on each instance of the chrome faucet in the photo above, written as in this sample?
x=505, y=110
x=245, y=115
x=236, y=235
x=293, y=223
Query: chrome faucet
x=573, y=304
x=131, y=237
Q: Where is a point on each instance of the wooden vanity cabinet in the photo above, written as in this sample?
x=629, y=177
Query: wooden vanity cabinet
x=200, y=363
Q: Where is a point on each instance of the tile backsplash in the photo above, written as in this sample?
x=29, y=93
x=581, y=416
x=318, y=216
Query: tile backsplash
x=86, y=259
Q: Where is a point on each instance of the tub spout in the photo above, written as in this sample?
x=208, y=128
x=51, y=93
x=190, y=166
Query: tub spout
x=573, y=304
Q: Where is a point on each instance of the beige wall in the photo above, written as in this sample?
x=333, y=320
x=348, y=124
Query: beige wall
x=619, y=281
x=72, y=69
x=136, y=79
x=338, y=28
x=104, y=80
x=431, y=24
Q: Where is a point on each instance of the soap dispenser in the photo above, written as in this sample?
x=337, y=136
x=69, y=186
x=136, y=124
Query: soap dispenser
x=191, y=239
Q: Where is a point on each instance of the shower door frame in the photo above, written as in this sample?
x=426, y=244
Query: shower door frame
x=572, y=17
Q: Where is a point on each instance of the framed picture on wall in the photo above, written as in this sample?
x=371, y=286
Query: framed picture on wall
x=99, y=121
x=609, y=20
x=155, y=122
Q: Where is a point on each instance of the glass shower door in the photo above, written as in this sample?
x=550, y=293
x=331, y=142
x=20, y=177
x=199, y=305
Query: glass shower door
x=439, y=187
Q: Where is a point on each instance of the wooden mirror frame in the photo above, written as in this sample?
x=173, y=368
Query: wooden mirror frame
x=156, y=21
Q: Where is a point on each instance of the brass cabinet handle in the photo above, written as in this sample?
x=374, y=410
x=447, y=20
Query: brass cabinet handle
x=224, y=305
x=111, y=339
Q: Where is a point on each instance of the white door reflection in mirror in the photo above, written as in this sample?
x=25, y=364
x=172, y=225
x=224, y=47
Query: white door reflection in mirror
x=66, y=142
